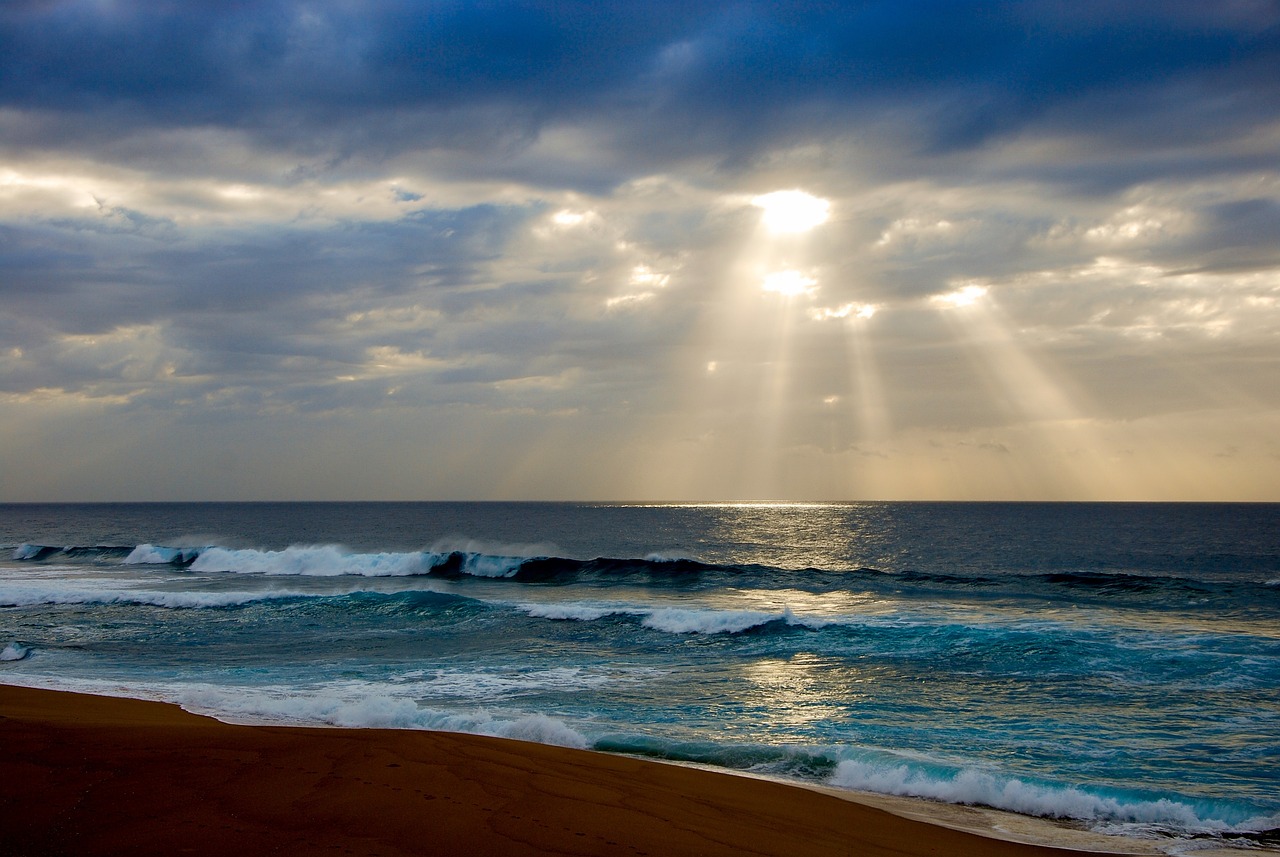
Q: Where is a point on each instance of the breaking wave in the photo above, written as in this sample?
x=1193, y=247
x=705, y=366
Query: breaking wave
x=978, y=787
x=664, y=569
x=14, y=652
x=334, y=561
x=953, y=784
x=156, y=555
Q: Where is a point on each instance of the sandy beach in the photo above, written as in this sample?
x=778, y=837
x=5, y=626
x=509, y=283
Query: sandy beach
x=101, y=775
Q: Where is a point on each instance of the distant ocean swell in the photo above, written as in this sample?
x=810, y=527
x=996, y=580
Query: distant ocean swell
x=336, y=561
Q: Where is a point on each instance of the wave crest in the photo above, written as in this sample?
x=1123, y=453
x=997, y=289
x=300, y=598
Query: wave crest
x=672, y=620
x=30, y=595
x=975, y=787
x=675, y=620
x=157, y=555
x=14, y=652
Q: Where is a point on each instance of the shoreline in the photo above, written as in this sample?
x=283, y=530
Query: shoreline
x=101, y=775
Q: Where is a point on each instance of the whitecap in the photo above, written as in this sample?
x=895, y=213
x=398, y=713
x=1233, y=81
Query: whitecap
x=315, y=561
x=14, y=652
x=485, y=565
x=157, y=555
x=676, y=620
x=573, y=611
x=977, y=787
x=22, y=552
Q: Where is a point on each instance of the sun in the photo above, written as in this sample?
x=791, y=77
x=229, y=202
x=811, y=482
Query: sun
x=792, y=210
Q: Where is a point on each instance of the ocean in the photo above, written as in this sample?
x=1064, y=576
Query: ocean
x=1118, y=664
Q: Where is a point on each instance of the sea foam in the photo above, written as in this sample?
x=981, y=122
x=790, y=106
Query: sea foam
x=570, y=611
x=157, y=555
x=675, y=620
x=374, y=711
x=317, y=561
x=977, y=787
x=25, y=552
x=14, y=652
x=335, y=561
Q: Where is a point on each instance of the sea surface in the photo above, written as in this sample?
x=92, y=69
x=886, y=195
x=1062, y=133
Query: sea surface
x=1113, y=663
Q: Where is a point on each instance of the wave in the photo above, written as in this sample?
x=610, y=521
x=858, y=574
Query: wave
x=670, y=571
x=673, y=620
x=605, y=569
x=500, y=684
x=333, y=706
x=802, y=763
x=979, y=787
x=30, y=595
x=36, y=553
x=1095, y=583
x=572, y=612
x=157, y=555
x=335, y=561
x=317, y=561
x=380, y=711
x=1103, y=810
x=15, y=652
x=1121, y=583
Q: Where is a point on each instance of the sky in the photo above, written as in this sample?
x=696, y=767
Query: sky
x=658, y=251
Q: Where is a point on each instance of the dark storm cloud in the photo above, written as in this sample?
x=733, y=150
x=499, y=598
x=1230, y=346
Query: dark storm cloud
x=671, y=77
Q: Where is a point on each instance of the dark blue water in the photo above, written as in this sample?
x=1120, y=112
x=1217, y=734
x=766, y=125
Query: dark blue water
x=1117, y=663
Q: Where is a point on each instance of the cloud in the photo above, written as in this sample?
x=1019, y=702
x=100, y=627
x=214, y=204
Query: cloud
x=732, y=77
x=530, y=226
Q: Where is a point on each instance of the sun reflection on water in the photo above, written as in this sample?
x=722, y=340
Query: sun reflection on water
x=807, y=688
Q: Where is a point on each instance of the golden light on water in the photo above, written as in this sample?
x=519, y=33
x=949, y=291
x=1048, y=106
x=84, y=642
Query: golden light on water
x=808, y=688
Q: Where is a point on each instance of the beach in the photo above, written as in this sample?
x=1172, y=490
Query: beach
x=102, y=775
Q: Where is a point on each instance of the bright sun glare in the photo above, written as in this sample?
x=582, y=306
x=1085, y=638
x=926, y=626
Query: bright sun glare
x=792, y=210
x=789, y=284
x=962, y=297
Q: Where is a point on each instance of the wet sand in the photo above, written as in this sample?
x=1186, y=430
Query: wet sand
x=87, y=775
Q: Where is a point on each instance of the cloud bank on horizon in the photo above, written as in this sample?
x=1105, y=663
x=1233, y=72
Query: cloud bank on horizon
x=558, y=250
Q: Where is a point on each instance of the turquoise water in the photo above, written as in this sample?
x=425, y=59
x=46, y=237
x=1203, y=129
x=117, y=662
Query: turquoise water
x=1114, y=663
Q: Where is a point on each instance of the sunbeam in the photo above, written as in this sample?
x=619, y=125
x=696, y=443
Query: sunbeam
x=1013, y=377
